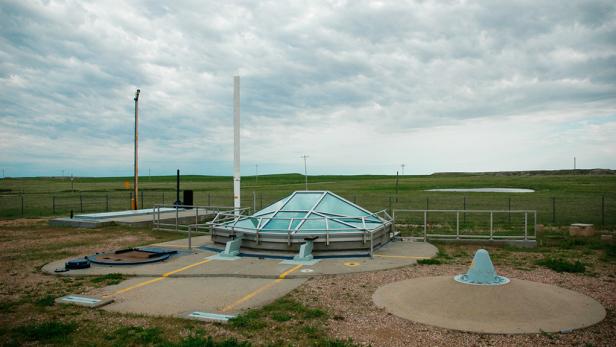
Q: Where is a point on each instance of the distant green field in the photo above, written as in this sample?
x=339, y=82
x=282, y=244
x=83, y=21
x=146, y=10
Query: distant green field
x=559, y=199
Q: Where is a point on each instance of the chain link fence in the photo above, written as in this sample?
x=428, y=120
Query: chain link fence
x=597, y=209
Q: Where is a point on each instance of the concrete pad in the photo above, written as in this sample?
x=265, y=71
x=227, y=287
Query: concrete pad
x=183, y=243
x=176, y=296
x=300, y=262
x=392, y=255
x=83, y=300
x=517, y=307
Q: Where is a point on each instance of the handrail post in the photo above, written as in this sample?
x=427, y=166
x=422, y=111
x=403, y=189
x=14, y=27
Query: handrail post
x=197, y=216
x=327, y=231
x=189, y=238
x=457, y=225
x=371, y=245
x=535, y=225
x=491, y=225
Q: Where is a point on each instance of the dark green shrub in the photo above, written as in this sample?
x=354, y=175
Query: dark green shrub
x=429, y=262
x=560, y=265
x=46, y=331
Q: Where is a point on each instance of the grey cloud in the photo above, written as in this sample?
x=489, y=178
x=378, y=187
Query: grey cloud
x=69, y=69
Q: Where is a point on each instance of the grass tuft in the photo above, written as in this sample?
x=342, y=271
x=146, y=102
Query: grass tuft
x=428, y=262
x=46, y=331
x=560, y=265
x=135, y=335
x=45, y=301
x=109, y=279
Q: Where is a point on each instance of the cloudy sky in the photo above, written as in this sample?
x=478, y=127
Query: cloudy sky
x=359, y=86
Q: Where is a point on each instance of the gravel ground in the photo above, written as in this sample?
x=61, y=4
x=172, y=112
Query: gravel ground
x=354, y=315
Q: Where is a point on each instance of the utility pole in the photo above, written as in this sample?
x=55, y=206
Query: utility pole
x=403, y=169
x=305, y=169
x=136, y=164
x=256, y=173
x=574, y=163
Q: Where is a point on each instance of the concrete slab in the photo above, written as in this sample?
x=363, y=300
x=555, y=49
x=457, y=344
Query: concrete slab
x=514, y=308
x=176, y=296
x=196, y=281
x=130, y=220
x=83, y=300
x=208, y=316
x=393, y=255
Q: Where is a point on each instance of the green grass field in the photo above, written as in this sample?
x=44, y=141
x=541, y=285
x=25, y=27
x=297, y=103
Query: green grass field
x=558, y=200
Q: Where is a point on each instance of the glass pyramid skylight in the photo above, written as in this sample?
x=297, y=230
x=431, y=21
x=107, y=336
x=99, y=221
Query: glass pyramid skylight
x=310, y=212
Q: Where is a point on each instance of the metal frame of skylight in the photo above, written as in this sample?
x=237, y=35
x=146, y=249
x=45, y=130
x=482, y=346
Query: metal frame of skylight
x=230, y=219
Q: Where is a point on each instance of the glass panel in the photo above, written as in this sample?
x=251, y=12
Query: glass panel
x=334, y=205
x=314, y=223
x=317, y=223
x=282, y=219
x=272, y=208
x=248, y=223
x=302, y=202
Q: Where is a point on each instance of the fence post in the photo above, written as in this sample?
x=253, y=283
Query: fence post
x=53, y=205
x=425, y=226
x=80, y=202
x=457, y=225
x=464, y=210
x=491, y=225
x=553, y=210
x=254, y=201
x=142, y=204
x=603, y=210
x=22, y=204
x=107, y=202
x=525, y=226
x=509, y=210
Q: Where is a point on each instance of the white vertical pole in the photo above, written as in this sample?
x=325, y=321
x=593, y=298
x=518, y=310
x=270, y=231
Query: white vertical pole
x=236, y=144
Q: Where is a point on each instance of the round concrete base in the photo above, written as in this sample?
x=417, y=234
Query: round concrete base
x=518, y=307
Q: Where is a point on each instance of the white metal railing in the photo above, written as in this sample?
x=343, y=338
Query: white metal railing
x=229, y=220
x=461, y=236
x=182, y=217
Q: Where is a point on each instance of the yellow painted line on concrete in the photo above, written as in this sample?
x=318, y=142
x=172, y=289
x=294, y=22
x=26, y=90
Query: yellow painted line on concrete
x=261, y=289
x=138, y=285
x=158, y=279
x=186, y=267
x=400, y=256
